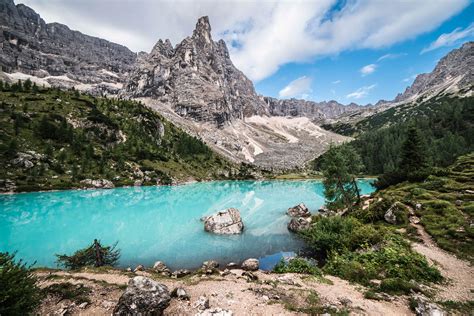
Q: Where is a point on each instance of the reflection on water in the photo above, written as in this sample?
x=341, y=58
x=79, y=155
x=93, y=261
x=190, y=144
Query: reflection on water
x=156, y=223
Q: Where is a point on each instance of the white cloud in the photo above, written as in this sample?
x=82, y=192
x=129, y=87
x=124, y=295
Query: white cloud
x=261, y=35
x=368, y=69
x=299, y=87
x=391, y=56
x=361, y=92
x=449, y=39
x=336, y=82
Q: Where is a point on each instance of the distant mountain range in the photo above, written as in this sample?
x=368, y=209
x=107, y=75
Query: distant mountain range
x=196, y=86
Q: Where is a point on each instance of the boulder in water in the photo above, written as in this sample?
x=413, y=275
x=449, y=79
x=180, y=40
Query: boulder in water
x=226, y=222
x=298, y=224
x=143, y=296
x=299, y=210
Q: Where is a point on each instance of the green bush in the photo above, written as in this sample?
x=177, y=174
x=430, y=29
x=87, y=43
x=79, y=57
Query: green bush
x=398, y=286
x=339, y=234
x=19, y=294
x=297, y=265
x=395, y=260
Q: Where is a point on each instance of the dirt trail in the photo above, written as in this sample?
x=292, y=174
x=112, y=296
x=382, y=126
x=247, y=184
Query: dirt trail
x=268, y=296
x=459, y=273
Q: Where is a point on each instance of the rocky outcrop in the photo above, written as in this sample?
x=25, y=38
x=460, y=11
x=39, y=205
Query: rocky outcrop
x=250, y=264
x=299, y=210
x=454, y=69
x=298, y=224
x=423, y=307
x=97, y=184
x=143, y=296
x=197, y=78
x=226, y=222
x=56, y=54
x=161, y=268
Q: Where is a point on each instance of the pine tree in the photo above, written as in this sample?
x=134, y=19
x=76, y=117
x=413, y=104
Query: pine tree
x=414, y=158
x=340, y=168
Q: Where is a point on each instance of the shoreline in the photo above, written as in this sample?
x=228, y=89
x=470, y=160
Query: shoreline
x=181, y=183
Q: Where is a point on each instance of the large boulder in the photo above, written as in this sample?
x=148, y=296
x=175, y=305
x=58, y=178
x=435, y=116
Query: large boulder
x=423, y=307
x=143, y=296
x=298, y=224
x=226, y=222
x=396, y=214
x=250, y=264
x=299, y=210
x=97, y=184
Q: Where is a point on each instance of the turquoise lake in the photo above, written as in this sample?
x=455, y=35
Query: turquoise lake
x=157, y=223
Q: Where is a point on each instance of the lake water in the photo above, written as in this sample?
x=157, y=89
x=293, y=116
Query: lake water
x=157, y=223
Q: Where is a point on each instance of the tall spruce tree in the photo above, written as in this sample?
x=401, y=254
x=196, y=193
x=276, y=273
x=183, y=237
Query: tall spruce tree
x=414, y=156
x=340, y=168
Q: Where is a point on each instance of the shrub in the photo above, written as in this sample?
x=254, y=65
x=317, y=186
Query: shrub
x=94, y=255
x=297, y=265
x=395, y=261
x=339, y=234
x=68, y=291
x=19, y=294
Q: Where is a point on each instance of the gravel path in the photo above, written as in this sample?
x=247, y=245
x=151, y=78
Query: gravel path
x=459, y=273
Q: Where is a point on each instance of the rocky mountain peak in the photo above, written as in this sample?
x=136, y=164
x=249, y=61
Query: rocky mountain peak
x=197, y=78
x=203, y=30
x=453, y=72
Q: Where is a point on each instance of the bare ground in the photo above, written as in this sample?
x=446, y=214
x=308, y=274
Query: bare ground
x=272, y=294
x=459, y=273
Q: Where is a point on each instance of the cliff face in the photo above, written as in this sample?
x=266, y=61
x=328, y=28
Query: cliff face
x=46, y=50
x=197, y=78
x=453, y=70
x=317, y=111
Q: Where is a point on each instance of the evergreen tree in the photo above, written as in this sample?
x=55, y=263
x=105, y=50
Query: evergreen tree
x=27, y=85
x=1, y=85
x=340, y=168
x=414, y=159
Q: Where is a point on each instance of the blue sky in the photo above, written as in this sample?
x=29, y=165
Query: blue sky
x=313, y=49
x=337, y=76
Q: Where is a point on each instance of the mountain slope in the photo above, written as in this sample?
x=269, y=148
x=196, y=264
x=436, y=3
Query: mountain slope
x=52, y=139
x=55, y=55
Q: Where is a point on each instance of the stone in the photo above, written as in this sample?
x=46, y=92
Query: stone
x=250, y=264
x=414, y=219
x=299, y=210
x=210, y=265
x=161, y=268
x=458, y=202
x=97, y=184
x=217, y=311
x=345, y=301
x=423, y=307
x=298, y=224
x=394, y=213
x=226, y=222
x=232, y=265
x=83, y=305
x=225, y=272
x=202, y=303
x=418, y=206
x=249, y=276
x=287, y=279
x=143, y=296
x=180, y=273
x=180, y=294
x=139, y=268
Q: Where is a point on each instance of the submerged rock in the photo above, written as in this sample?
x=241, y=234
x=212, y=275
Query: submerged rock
x=298, y=224
x=299, y=210
x=226, y=222
x=250, y=264
x=143, y=296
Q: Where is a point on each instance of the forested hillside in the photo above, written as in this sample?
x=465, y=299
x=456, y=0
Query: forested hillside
x=53, y=139
x=446, y=125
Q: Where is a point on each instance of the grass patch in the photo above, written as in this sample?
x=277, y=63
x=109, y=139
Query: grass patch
x=77, y=293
